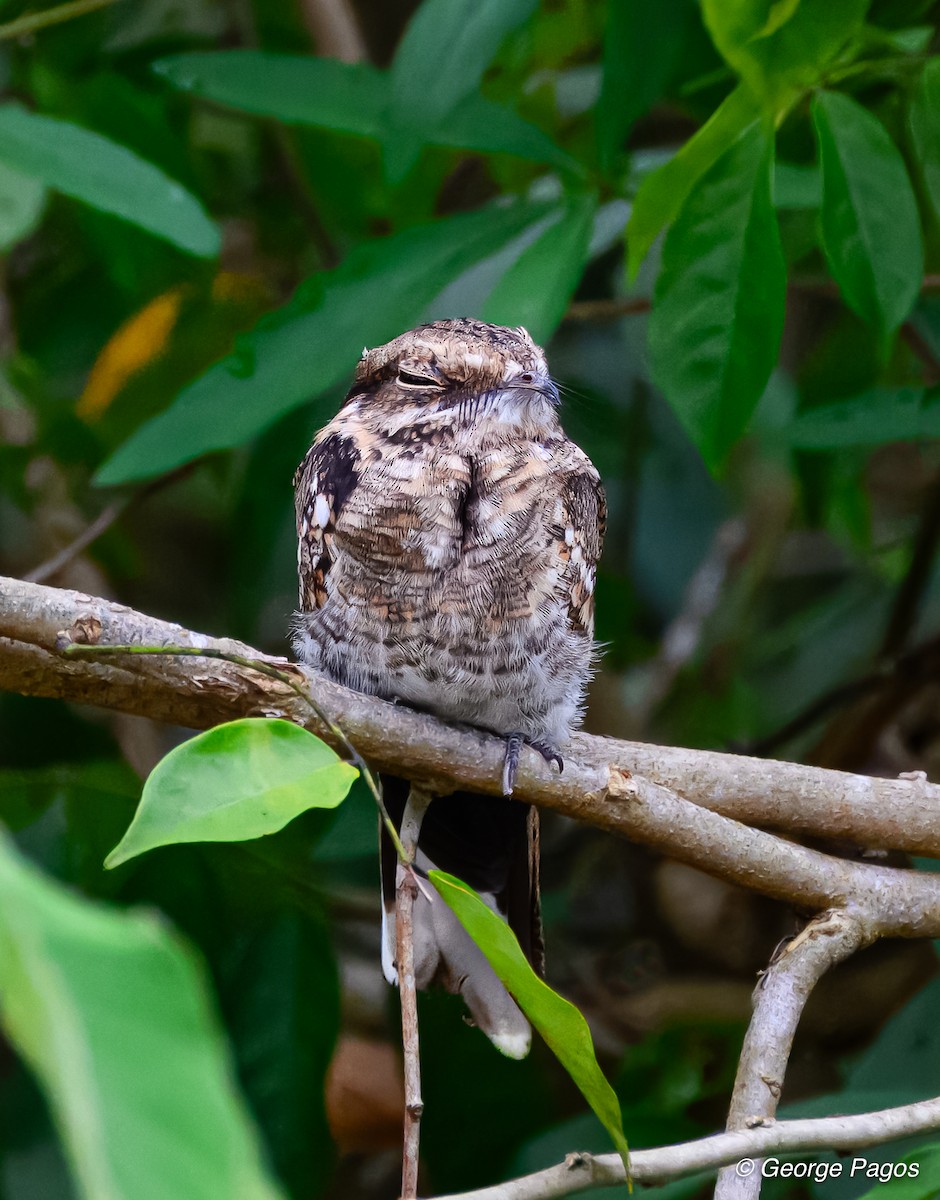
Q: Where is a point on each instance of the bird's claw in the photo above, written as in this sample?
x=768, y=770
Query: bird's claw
x=514, y=744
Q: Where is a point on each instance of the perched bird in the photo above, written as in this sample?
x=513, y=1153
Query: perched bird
x=448, y=536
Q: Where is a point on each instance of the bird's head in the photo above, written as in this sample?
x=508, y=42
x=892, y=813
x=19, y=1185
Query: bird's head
x=474, y=370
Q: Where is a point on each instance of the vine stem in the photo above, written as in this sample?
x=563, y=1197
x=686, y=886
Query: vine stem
x=33, y=22
x=80, y=650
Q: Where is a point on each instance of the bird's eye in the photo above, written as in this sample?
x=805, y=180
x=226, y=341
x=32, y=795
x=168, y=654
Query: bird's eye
x=412, y=379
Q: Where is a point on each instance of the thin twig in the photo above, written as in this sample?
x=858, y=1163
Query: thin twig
x=33, y=22
x=105, y=519
x=103, y=522
x=581, y=1172
x=608, y=310
x=335, y=29
x=406, y=892
x=613, y=308
x=684, y=634
x=78, y=649
x=779, y=1000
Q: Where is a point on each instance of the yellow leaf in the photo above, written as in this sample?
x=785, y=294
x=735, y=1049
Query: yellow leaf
x=141, y=339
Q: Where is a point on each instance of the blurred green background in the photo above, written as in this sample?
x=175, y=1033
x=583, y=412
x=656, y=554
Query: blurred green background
x=206, y=209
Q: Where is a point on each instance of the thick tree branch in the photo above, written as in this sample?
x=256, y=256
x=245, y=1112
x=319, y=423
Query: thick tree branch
x=581, y=1172
x=625, y=787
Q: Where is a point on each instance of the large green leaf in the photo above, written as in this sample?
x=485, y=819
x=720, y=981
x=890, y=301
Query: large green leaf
x=22, y=199
x=781, y=47
x=870, y=224
x=924, y=120
x=915, y=1176
x=112, y=1015
x=536, y=289
x=315, y=340
x=661, y=194
x=873, y=419
x=237, y=781
x=296, y=89
x=560, y=1024
x=350, y=98
x=464, y=35
x=638, y=62
x=717, y=317
x=280, y=994
x=107, y=176
x=479, y=124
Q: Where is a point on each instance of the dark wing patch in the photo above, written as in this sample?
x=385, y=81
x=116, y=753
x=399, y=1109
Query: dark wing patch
x=323, y=483
x=584, y=515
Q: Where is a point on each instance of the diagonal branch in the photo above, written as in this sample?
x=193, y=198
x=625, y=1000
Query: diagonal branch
x=779, y=1000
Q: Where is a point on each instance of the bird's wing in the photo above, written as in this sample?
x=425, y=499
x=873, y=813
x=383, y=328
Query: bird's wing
x=323, y=483
x=583, y=523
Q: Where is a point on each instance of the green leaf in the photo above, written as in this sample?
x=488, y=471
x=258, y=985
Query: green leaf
x=870, y=224
x=661, y=194
x=717, y=317
x=464, y=34
x=237, y=781
x=536, y=289
x=781, y=47
x=299, y=90
x=478, y=124
x=280, y=994
x=468, y=32
x=560, y=1024
x=112, y=1014
x=350, y=98
x=924, y=119
x=638, y=63
x=22, y=200
x=105, y=175
x=315, y=340
x=921, y=1183
x=873, y=419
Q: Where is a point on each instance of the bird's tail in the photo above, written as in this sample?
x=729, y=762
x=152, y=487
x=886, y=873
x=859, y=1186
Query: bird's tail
x=491, y=843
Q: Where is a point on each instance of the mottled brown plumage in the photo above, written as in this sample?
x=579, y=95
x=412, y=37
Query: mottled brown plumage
x=448, y=536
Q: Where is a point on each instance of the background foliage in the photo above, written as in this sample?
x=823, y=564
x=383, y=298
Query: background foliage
x=724, y=220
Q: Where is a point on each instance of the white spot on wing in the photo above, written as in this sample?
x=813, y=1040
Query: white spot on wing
x=321, y=510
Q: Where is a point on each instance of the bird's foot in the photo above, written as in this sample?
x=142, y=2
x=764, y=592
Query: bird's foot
x=514, y=744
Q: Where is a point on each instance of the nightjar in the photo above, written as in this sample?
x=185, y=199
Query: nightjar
x=448, y=537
